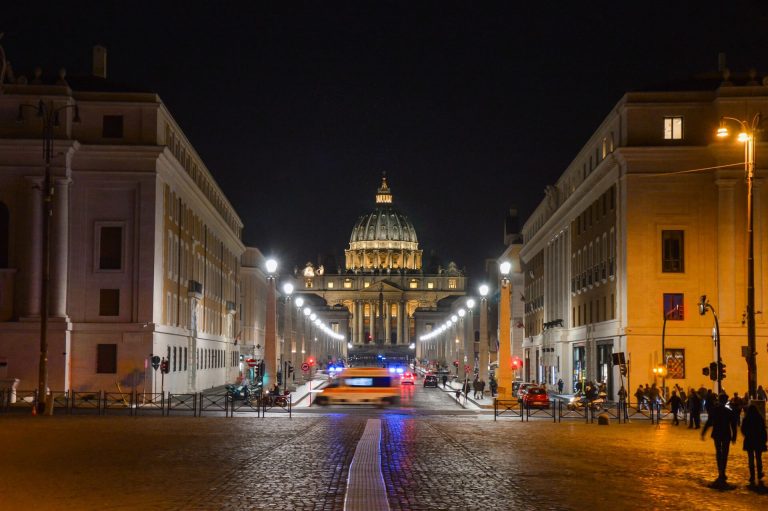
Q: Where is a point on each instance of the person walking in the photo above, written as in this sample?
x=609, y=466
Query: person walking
x=694, y=410
x=737, y=404
x=755, y=438
x=761, y=395
x=623, y=402
x=675, y=404
x=493, y=384
x=723, y=424
x=482, y=388
x=475, y=388
x=640, y=396
x=560, y=386
x=445, y=380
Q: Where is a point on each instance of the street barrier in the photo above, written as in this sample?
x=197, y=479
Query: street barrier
x=181, y=403
x=548, y=412
x=60, y=400
x=280, y=404
x=638, y=413
x=85, y=402
x=210, y=402
x=21, y=400
x=248, y=405
x=508, y=408
x=150, y=403
x=118, y=401
x=573, y=413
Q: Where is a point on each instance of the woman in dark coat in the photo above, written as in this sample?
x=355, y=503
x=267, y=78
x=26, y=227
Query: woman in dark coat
x=755, y=437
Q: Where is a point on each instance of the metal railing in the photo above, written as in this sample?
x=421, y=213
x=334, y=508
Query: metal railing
x=507, y=408
x=279, y=403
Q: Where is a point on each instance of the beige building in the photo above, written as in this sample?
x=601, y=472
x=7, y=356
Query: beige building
x=383, y=284
x=145, y=248
x=649, y=216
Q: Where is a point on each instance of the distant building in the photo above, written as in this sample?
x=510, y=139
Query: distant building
x=382, y=285
x=145, y=247
x=649, y=216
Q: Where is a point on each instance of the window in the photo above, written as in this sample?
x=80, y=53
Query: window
x=5, y=235
x=413, y=284
x=451, y=283
x=106, y=358
x=109, y=302
x=308, y=283
x=672, y=247
x=675, y=361
x=366, y=284
x=673, y=128
x=673, y=306
x=185, y=359
x=330, y=285
x=112, y=126
x=110, y=247
x=347, y=284
x=430, y=285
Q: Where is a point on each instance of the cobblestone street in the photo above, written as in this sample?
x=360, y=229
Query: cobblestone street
x=436, y=462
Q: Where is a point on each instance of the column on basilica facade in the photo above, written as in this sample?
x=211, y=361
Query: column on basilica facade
x=360, y=318
x=400, y=322
x=372, y=321
x=353, y=330
x=726, y=257
x=59, y=248
x=387, y=322
x=33, y=262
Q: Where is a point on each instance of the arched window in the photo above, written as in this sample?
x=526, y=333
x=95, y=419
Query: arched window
x=5, y=234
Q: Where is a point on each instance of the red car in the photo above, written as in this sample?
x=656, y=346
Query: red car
x=407, y=378
x=536, y=397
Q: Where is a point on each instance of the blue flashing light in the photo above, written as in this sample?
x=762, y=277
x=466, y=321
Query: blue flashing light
x=399, y=370
x=391, y=369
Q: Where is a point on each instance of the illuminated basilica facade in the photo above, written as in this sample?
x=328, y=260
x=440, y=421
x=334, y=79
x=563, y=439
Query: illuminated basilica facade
x=383, y=283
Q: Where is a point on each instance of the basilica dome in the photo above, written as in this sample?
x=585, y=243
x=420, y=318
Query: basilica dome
x=383, y=238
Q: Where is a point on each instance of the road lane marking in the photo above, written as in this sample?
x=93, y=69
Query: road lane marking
x=365, y=484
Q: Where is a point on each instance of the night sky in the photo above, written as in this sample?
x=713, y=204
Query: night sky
x=470, y=108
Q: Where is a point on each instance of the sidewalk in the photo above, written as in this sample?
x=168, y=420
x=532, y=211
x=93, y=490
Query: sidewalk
x=299, y=396
x=466, y=402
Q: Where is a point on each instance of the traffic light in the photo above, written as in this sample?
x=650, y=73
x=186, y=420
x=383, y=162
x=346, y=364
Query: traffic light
x=164, y=366
x=311, y=361
x=713, y=371
x=290, y=368
x=455, y=363
x=721, y=370
x=516, y=363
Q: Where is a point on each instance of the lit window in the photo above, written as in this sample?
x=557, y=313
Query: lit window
x=308, y=283
x=366, y=284
x=347, y=284
x=673, y=128
x=451, y=283
x=414, y=284
x=430, y=285
x=330, y=285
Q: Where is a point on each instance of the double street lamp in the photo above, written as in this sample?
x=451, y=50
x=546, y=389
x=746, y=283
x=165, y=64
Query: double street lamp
x=504, y=376
x=50, y=117
x=747, y=136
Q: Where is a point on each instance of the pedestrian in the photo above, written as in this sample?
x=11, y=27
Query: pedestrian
x=761, y=395
x=445, y=380
x=560, y=386
x=755, y=438
x=654, y=397
x=694, y=410
x=493, y=384
x=578, y=386
x=640, y=396
x=466, y=387
x=736, y=405
x=623, y=402
x=482, y=388
x=475, y=388
x=674, y=404
x=723, y=424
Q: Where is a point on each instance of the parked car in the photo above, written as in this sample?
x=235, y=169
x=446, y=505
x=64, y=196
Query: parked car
x=407, y=378
x=430, y=380
x=521, y=388
x=536, y=397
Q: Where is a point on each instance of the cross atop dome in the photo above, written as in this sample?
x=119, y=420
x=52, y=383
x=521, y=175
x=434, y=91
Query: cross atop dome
x=384, y=196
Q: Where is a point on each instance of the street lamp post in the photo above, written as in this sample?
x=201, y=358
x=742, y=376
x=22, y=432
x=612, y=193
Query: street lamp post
x=270, y=323
x=484, y=357
x=703, y=306
x=287, y=335
x=504, y=376
x=662, y=368
x=49, y=115
x=747, y=136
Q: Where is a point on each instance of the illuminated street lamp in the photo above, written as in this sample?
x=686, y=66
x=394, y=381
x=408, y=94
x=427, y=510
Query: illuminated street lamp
x=285, y=351
x=483, y=357
x=270, y=325
x=704, y=305
x=747, y=136
x=504, y=376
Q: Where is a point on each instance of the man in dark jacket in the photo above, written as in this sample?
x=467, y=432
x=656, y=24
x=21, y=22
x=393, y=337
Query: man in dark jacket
x=722, y=420
x=694, y=410
x=674, y=405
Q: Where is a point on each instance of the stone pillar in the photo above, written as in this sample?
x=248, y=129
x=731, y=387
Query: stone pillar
x=33, y=261
x=387, y=322
x=354, y=322
x=360, y=319
x=400, y=322
x=372, y=321
x=59, y=248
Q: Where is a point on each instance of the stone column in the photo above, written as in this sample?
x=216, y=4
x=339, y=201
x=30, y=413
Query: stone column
x=360, y=318
x=400, y=322
x=373, y=321
x=33, y=261
x=60, y=248
x=354, y=322
x=387, y=322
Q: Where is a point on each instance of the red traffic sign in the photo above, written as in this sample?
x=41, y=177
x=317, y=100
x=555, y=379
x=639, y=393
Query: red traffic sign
x=305, y=367
x=466, y=369
x=251, y=362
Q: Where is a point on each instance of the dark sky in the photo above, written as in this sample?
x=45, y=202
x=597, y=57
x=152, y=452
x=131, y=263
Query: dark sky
x=470, y=108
